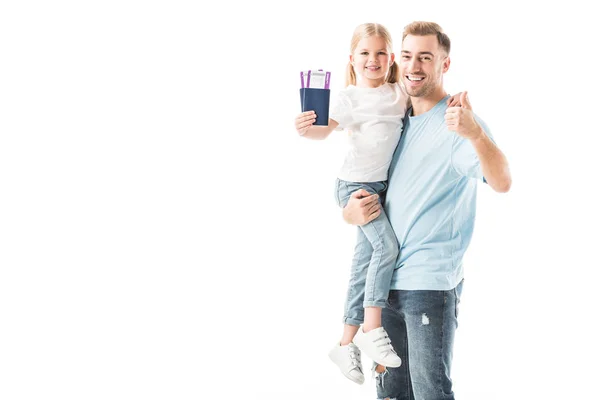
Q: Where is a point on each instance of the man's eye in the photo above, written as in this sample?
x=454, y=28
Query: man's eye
x=425, y=58
x=405, y=57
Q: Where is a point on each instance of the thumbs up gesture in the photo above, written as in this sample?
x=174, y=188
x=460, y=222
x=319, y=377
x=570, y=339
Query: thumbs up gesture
x=460, y=119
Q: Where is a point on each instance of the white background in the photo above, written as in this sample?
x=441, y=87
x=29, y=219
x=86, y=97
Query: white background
x=165, y=234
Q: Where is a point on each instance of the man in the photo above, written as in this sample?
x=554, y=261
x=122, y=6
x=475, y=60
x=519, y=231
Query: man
x=430, y=203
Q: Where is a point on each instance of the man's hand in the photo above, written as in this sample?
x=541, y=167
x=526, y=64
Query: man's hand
x=454, y=100
x=362, y=207
x=461, y=119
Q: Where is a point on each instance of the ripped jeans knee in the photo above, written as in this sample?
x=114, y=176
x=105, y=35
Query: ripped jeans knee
x=379, y=376
x=380, y=379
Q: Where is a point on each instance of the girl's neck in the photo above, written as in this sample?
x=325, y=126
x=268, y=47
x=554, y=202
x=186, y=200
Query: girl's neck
x=369, y=83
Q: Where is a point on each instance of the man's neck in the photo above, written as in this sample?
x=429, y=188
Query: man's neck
x=421, y=105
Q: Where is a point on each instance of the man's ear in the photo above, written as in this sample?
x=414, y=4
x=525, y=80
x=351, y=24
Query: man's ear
x=446, y=64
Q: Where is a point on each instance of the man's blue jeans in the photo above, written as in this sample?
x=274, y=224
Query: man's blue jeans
x=374, y=256
x=421, y=325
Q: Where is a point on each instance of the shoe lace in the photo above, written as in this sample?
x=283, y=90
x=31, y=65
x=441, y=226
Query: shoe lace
x=355, y=358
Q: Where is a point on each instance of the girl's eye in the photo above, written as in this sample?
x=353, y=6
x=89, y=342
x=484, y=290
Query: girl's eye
x=364, y=53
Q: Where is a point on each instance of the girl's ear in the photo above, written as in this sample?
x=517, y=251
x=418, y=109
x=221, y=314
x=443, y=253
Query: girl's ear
x=392, y=58
x=351, y=59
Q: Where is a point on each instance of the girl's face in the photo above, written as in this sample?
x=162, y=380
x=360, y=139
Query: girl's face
x=371, y=60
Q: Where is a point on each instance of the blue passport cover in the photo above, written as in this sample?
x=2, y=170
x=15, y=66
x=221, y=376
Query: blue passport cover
x=316, y=100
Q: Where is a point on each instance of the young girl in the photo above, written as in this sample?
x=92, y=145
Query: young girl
x=371, y=108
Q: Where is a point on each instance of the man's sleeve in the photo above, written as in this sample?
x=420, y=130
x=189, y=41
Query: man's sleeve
x=464, y=157
x=341, y=111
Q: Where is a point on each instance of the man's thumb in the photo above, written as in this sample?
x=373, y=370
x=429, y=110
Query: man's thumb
x=464, y=101
x=360, y=193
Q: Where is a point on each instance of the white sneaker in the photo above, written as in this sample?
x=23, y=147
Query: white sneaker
x=377, y=346
x=347, y=358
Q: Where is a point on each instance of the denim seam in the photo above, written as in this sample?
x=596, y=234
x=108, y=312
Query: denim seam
x=350, y=292
x=456, y=300
x=346, y=191
x=411, y=395
x=353, y=270
x=441, y=355
x=405, y=362
x=374, y=303
x=337, y=193
x=377, y=269
x=351, y=321
x=351, y=289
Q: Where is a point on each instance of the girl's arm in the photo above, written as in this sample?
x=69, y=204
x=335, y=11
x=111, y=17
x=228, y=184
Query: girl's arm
x=305, y=127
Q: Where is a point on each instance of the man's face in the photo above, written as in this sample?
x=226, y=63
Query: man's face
x=422, y=65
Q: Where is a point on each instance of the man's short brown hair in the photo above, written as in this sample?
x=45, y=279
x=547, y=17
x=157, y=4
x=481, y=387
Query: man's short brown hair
x=423, y=28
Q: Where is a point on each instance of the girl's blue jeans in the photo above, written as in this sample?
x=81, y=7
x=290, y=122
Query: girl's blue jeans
x=374, y=256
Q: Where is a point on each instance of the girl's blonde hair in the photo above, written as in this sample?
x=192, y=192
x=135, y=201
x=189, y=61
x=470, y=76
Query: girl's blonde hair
x=365, y=31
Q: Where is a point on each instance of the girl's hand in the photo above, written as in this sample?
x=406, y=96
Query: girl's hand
x=454, y=101
x=304, y=121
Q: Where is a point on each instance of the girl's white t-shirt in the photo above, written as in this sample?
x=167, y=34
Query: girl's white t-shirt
x=373, y=119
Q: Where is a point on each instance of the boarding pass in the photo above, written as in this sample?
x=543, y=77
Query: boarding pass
x=315, y=79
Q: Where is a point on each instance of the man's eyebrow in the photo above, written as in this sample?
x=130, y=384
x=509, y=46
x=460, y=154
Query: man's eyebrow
x=420, y=53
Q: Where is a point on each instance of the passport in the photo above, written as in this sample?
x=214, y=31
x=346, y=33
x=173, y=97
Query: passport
x=316, y=100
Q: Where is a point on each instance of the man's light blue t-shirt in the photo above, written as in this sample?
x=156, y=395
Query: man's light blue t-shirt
x=431, y=200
